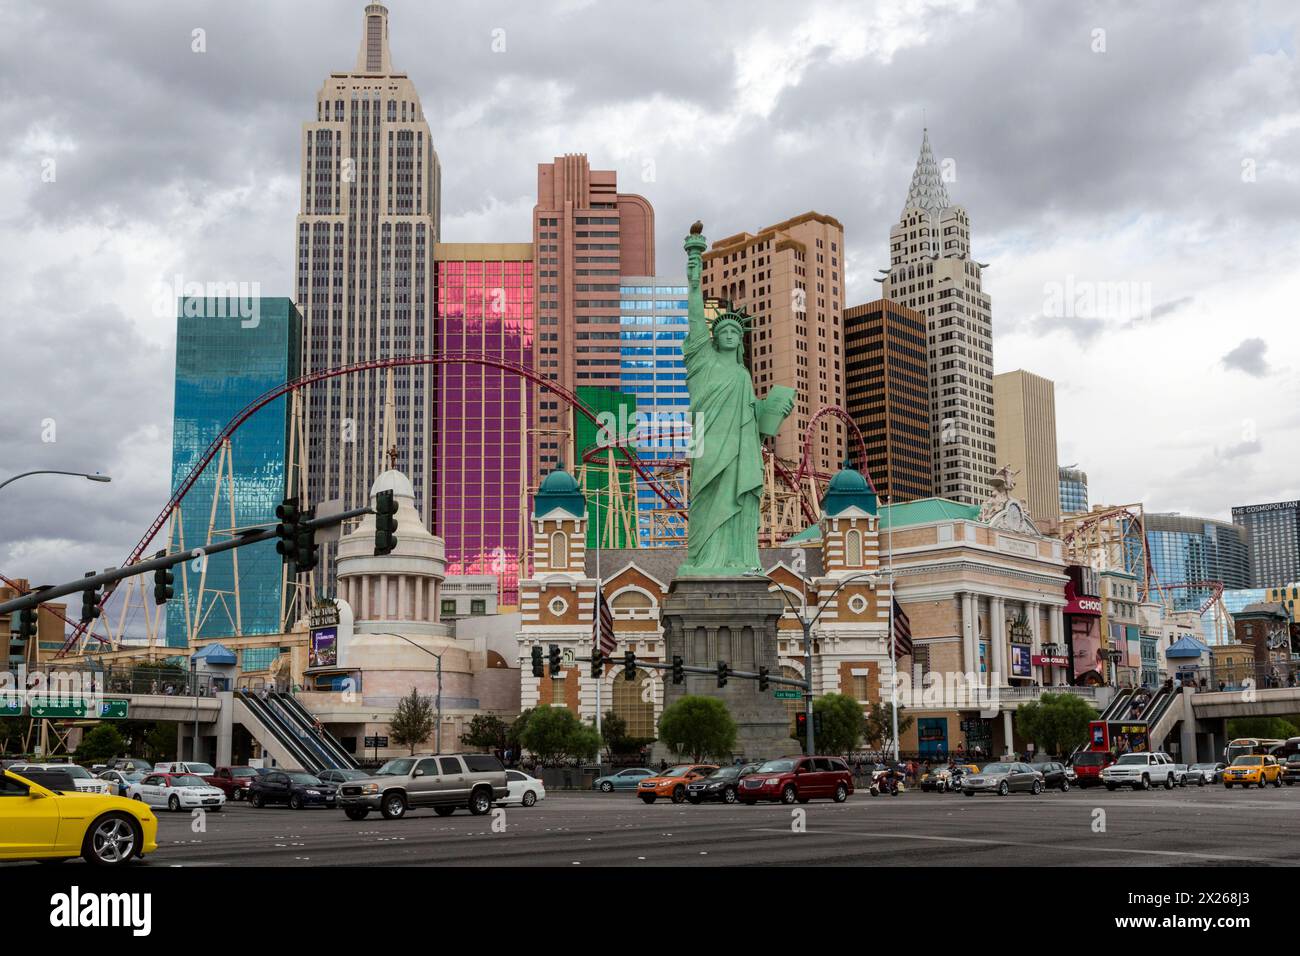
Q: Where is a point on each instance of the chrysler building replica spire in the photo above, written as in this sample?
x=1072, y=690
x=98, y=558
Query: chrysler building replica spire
x=931, y=271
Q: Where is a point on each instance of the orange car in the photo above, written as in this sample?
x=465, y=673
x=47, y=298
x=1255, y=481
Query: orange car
x=672, y=782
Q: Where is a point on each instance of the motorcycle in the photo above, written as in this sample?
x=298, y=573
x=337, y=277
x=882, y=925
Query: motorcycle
x=885, y=781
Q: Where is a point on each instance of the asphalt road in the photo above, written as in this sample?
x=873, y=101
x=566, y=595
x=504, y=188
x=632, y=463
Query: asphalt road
x=1185, y=827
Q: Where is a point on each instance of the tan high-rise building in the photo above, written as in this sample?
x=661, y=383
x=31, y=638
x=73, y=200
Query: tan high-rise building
x=790, y=278
x=931, y=271
x=370, y=205
x=1024, y=407
x=586, y=234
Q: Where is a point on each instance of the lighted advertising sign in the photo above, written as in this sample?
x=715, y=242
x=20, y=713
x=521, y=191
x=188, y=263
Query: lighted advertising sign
x=1020, y=661
x=324, y=650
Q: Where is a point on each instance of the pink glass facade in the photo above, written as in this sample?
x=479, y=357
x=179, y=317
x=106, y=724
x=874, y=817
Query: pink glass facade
x=484, y=307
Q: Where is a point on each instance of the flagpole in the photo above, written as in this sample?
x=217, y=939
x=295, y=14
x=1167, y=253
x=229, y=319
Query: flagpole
x=596, y=630
x=893, y=638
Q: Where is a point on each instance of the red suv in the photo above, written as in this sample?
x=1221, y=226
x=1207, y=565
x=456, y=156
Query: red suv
x=797, y=779
x=1088, y=767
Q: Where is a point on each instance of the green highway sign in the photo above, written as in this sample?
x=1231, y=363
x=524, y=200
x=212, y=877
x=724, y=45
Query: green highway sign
x=787, y=694
x=10, y=708
x=59, y=710
x=113, y=708
x=110, y=708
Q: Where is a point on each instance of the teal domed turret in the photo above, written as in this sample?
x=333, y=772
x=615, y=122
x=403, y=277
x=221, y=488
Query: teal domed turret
x=559, y=490
x=848, y=489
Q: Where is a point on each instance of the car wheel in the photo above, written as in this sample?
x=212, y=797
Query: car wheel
x=841, y=793
x=1038, y=787
x=1289, y=781
x=173, y=803
x=1065, y=786
x=357, y=813
x=238, y=794
x=1003, y=789
x=480, y=802
x=444, y=811
x=394, y=806
x=1145, y=784
x=679, y=793
x=1112, y=786
x=1261, y=781
x=606, y=787
x=1277, y=782
x=1169, y=781
x=1227, y=786
x=969, y=793
x=138, y=797
x=295, y=802
x=694, y=800
x=729, y=794
x=1200, y=781
x=648, y=798
x=111, y=840
x=789, y=794
x=256, y=800
x=530, y=799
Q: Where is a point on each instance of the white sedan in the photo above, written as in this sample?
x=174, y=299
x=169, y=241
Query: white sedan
x=525, y=791
x=177, y=791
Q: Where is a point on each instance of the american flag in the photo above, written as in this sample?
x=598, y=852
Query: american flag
x=902, y=632
x=602, y=631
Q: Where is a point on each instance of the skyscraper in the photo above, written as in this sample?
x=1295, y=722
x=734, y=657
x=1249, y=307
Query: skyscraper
x=1024, y=414
x=1072, y=485
x=223, y=362
x=370, y=202
x=586, y=234
x=790, y=278
x=1274, y=531
x=887, y=391
x=1188, y=550
x=931, y=271
x=484, y=307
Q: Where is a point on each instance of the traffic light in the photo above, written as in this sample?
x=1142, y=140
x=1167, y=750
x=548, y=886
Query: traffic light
x=287, y=529
x=163, y=579
x=801, y=725
x=629, y=665
x=762, y=679
x=597, y=664
x=538, y=670
x=817, y=724
x=679, y=671
x=553, y=653
x=723, y=671
x=27, y=624
x=89, y=602
x=385, y=522
x=305, y=539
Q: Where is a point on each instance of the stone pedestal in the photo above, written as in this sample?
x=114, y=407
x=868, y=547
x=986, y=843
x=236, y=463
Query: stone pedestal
x=731, y=619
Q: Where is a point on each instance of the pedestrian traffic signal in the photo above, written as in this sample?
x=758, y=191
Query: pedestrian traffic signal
x=629, y=665
x=538, y=670
x=304, y=557
x=679, y=670
x=553, y=653
x=163, y=580
x=762, y=679
x=597, y=664
x=287, y=529
x=723, y=671
x=89, y=602
x=385, y=522
x=801, y=725
x=27, y=624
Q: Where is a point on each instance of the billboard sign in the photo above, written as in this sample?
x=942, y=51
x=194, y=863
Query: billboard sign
x=324, y=650
x=1020, y=661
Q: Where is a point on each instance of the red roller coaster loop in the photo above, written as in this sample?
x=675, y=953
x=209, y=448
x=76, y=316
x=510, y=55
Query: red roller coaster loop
x=810, y=433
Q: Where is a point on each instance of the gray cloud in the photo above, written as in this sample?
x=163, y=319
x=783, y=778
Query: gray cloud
x=1248, y=357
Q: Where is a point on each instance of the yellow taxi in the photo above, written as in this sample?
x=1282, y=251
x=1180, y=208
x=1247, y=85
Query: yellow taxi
x=672, y=782
x=1254, y=769
x=38, y=823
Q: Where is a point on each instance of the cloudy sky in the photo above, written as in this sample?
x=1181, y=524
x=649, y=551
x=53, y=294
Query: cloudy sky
x=1132, y=172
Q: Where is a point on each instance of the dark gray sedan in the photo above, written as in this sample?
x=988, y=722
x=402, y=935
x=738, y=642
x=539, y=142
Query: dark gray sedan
x=1056, y=776
x=1002, y=778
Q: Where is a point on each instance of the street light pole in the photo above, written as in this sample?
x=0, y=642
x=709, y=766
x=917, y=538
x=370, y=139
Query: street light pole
x=50, y=471
x=437, y=730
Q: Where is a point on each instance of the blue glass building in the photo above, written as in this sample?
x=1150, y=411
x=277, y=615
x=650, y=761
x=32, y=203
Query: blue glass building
x=229, y=352
x=653, y=322
x=1187, y=550
x=1073, y=490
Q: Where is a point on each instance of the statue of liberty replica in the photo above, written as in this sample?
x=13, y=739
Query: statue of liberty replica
x=719, y=607
x=728, y=423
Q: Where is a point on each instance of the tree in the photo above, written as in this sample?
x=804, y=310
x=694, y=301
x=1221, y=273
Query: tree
x=554, y=733
x=160, y=742
x=1262, y=728
x=1055, y=723
x=12, y=730
x=613, y=729
x=879, y=727
x=487, y=731
x=413, y=722
x=102, y=742
x=514, y=736
x=699, y=726
x=842, y=723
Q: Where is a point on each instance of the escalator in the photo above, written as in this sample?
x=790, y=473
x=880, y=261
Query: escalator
x=306, y=724
x=1162, y=716
x=1117, y=709
x=269, y=729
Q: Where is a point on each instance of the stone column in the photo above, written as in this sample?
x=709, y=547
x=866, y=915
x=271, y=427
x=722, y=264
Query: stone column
x=970, y=656
x=1009, y=745
x=417, y=585
x=383, y=598
x=364, y=611
x=998, y=638
x=1034, y=613
x=1056, y=632
x=401, y=598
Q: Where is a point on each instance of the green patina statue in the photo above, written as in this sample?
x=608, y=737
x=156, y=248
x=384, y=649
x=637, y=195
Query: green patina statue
x=728, y=424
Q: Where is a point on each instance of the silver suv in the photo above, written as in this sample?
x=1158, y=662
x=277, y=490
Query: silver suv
x=445, y=782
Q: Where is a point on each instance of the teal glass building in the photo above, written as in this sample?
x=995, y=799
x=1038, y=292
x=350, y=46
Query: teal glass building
x=228, y=353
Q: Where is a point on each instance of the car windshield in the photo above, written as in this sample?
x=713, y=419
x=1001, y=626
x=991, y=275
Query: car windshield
x=726, y=773
x=1090, y=759
x=188, y=780
x=998, y=768
x=203, y=769
x=352, y=774
x=1202, y=766
x=241, y=772
x=305, y=778
x=777, y=766
x=396, y=768
x=1248, y=761
x=1129, y=760
x=133, y=777
x=77, y=773
x=677, y=771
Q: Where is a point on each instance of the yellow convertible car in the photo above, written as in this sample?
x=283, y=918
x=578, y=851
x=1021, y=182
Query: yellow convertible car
x=39, y=823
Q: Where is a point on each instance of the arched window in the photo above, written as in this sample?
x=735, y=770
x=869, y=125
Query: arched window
x=559, y=551
x=634, y=701
x=853, y=548
x=792, y=707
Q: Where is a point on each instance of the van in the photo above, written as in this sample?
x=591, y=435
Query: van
x=1290, y=760
x=178, y=766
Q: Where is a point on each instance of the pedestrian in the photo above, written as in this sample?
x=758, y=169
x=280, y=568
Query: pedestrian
x=663, y=766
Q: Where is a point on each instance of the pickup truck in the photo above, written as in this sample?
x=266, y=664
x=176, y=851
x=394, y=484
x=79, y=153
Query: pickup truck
x=232, y=781
x=1141, y=771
